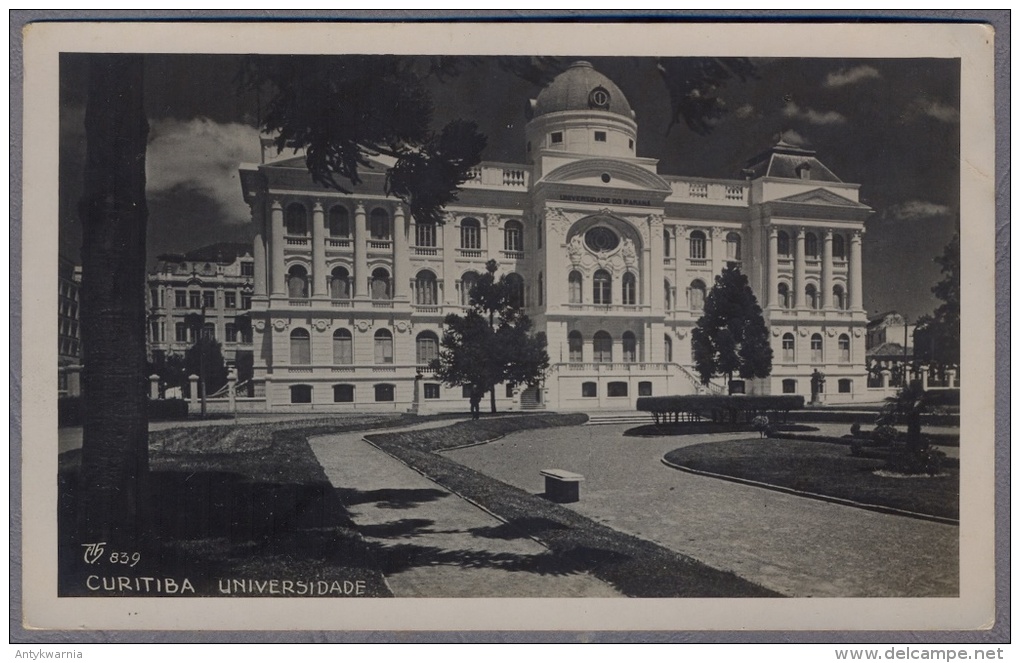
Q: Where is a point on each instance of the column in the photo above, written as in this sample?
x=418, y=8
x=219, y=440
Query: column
x=827, y=271
x=193, y=383
x=773, y=297
x=360, y=252
x=319, y=280
x=655, y=266
x=799, y=271
x=856, y=294
x=259, y=251
x=492, y=241
x=401, y=261
x=679, y=260
x=276, y=245
x=232, y=389
x=718, y=252
x=447, y=244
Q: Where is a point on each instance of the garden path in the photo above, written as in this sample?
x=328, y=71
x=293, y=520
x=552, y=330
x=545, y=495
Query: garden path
x=793, y=545
x=433, y=543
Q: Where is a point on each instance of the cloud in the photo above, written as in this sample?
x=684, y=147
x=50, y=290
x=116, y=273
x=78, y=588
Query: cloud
x=793, y=138
x=811, y=115
x=201, y=156
x=851, y=76
x=747, y=110
x=914, y=210
x=939, y=111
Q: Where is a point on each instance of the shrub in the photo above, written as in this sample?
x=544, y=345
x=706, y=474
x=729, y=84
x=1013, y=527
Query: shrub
x=734, y=409
x=928, y=460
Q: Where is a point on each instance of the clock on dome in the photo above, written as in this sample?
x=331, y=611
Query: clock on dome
x=599, y=97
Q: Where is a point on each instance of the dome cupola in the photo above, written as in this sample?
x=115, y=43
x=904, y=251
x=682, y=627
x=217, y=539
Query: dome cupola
x=580, y=88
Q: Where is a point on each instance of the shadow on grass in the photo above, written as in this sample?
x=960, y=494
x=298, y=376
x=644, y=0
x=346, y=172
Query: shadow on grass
x=518, y=528
x=402, y=557
x=390, y=498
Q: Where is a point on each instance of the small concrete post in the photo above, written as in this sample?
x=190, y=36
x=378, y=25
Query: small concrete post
x=886, y=378
x=231, y=386
x=153, y=386
x=193, y=381
x=951, y=378
x=924, y=377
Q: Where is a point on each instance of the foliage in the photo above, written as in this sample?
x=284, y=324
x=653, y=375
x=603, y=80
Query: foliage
x=937, y=337
x=928, y=460
x=69, y=410
x=718, y=408
x=209, y=352
x=492, y=343
x=731, y=336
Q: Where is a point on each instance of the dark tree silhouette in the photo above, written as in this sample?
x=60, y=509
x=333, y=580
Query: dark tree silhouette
x=937, y=337
x=731, y=336
x=113, y=213
x=492, y=343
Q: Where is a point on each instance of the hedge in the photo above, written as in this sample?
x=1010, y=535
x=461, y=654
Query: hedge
x=69, y=410
x=732, y=409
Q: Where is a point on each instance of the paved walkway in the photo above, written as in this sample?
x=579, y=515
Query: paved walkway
x=432, y=543
x=794, y=545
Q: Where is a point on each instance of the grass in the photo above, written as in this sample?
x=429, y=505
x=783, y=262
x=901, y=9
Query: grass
x=633, y=566
x=824, y=469
x=247, y=501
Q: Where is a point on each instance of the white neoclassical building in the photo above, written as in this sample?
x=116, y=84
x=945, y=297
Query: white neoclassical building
x=614, y=260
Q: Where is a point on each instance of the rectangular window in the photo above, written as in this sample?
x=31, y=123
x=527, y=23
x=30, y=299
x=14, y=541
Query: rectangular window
x=230, y=299
x=616, y=389
x=194, y=299
x=789, y=386
x=600, y=136
x=644, y=389
x=556, y=137
x=845, y=386
x=181, y=334
x=431, y=391
x=301, y=393
x=343, y=393
x=231, y=332
x=209, y=331
x=245, y=301
x=425, y=235
x=247, y=269
x=180, y=298
x=509, y=391
x=465, y=391
x=589, y=390
x=209, y=298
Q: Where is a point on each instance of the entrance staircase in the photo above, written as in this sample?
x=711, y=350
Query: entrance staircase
x=530, y=401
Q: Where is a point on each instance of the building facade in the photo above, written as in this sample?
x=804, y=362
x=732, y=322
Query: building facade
x=215, y=281
x=68, y=328
x=614, y=260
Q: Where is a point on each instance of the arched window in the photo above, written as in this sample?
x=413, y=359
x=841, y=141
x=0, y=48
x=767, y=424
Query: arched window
x=379, y=224
x=470, y=234
x=425, y=234
x=339, y=283
x=629, y=289
x=629, y=347
x=697, y=296
x=784, y=296
x=383, y=393
x=844, y=348
x=838, y=297
x=667, y=292
x=467, y=282
x=789, y=354
x=811, y=295
x=816, y=348
x=426, y=288
x=301, y=393
x=300, y=347
x=783, y=244
x=811, y=245
x=380, y=284
x=343, y=393
x=666, y=244
x=297, y=282
x=426, y=348
x=838, y=247
x=339, y=222
x=668, y=348
x=603, y=346
x=602, y=287
x=295, y=219
x=383, y=347
x=697, y=241
x=513, y=236
x=575, y=282
x=516, y=285
x=733, y=246
x=343, y=347
x=575, y=345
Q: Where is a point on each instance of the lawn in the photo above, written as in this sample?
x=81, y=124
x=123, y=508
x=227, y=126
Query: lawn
x=634, y=566
x=824, y=469
x=236, y=502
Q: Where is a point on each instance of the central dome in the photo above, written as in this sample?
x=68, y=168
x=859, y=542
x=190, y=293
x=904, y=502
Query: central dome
x=580, y=88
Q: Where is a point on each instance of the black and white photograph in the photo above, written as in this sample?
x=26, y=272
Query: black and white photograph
x=356, y=322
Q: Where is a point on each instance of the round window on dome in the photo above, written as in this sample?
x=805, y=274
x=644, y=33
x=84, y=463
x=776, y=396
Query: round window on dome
x=601, y=239
x=599, y=98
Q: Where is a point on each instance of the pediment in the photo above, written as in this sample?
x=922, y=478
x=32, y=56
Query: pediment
x=621, y=174
x=820, y=197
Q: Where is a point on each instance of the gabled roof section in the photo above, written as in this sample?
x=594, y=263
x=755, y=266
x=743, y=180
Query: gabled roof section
x=623, y=170
x=788, y=161
x=821, y=197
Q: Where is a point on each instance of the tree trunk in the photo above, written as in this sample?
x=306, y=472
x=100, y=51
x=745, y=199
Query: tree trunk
x=492, y=400
x=113, y=497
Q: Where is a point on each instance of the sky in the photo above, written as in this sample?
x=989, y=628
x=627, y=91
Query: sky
x=891, y=125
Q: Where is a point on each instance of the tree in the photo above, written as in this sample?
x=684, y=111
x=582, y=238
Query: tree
x=937, y=337
x=113, y=499
x=205, y=357
x=492, y=343
x=731, y=336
